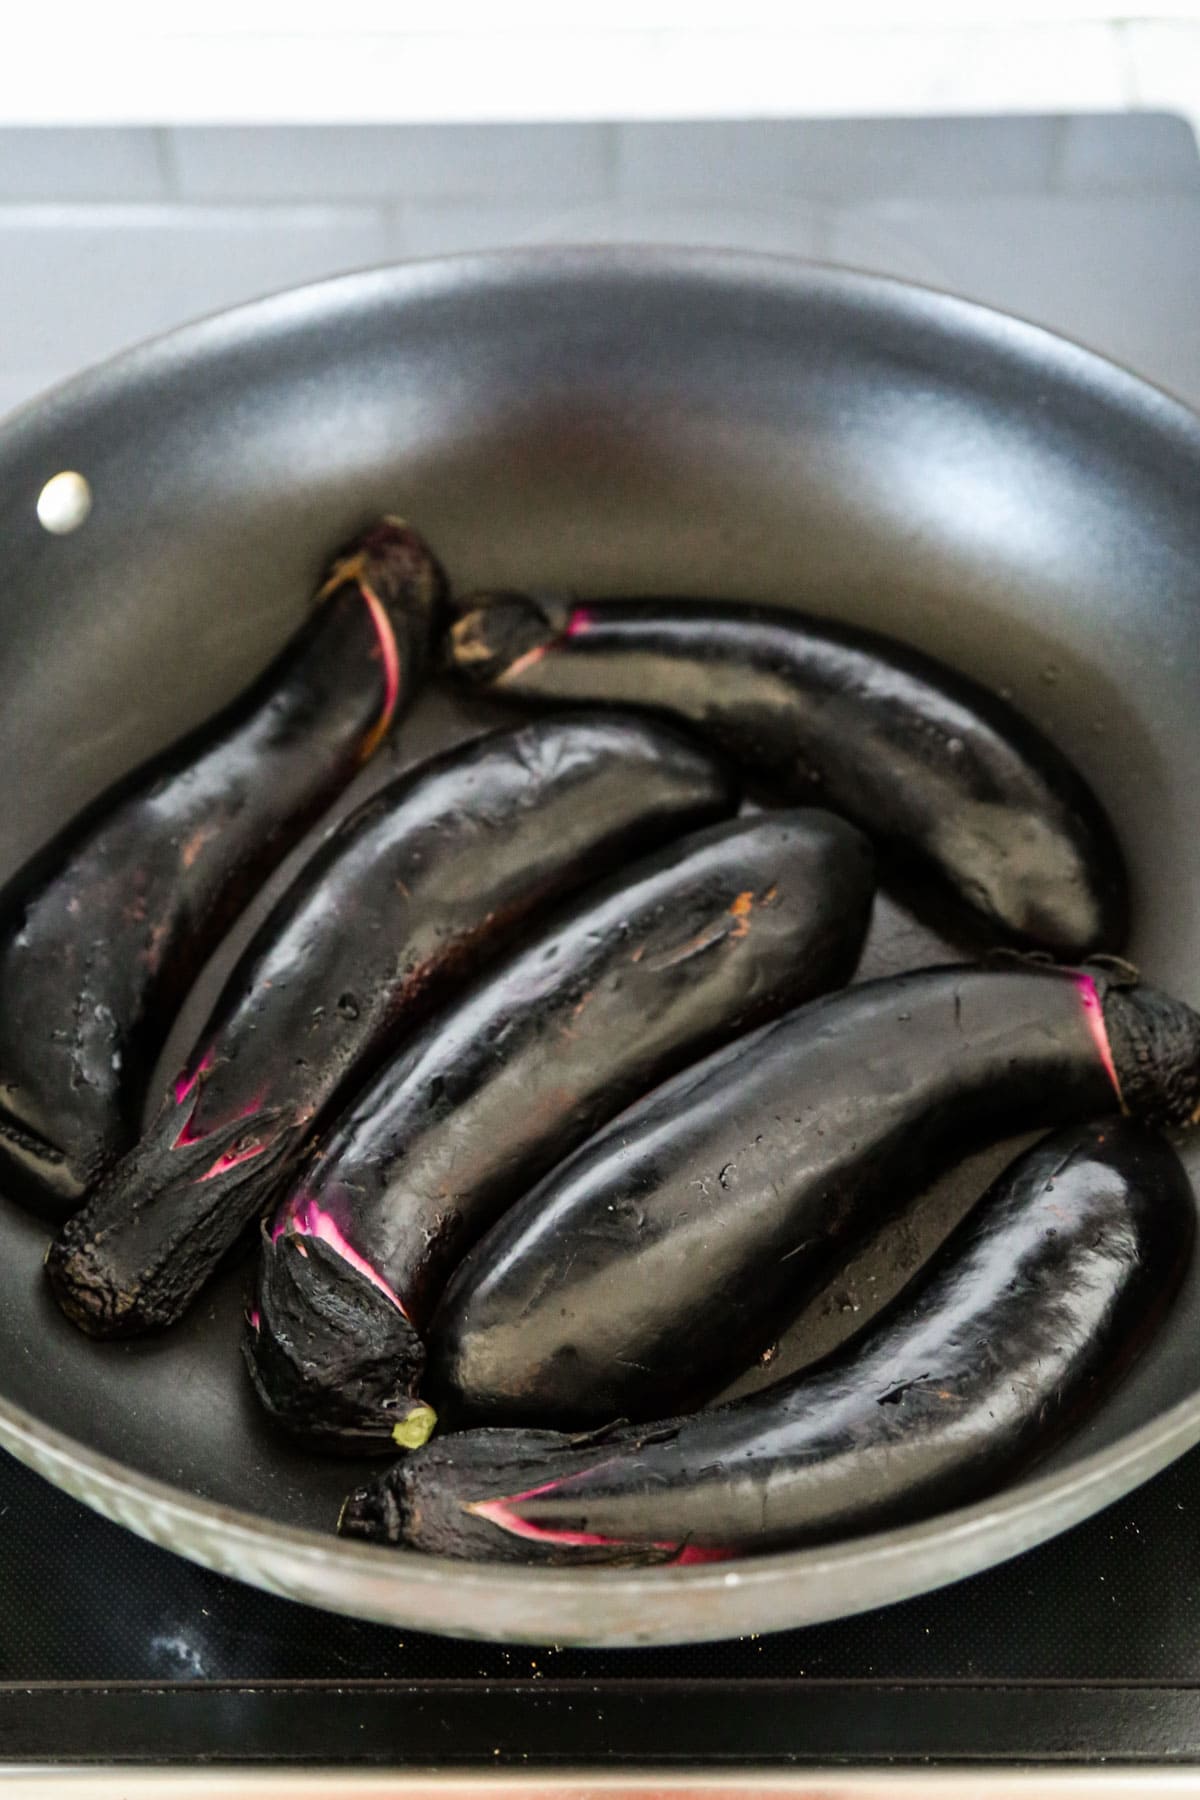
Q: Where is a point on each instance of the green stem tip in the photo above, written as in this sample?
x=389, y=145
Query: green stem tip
x=416, y=1427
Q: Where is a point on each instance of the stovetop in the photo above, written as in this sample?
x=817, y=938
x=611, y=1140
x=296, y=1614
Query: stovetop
x=1087, y=1649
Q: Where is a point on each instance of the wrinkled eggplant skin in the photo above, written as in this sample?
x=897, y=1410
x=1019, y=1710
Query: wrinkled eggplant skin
x=103, y=934
x=923, y=759
x=655, y=1263
x=332, y=1360
x=397, y=905
x=667, y=960
x=1031, y=1311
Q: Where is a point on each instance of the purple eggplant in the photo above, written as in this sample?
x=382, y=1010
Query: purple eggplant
x=1032, y=1310
x=655, y=1263
x=659, y=966
x=103, y=933
x=925, y=761
x=401, y=901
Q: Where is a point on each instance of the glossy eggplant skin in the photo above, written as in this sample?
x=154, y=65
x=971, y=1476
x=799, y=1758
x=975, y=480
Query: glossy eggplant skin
x=658, y=966
x=924, y=760
x=102, y=935
x=399, y=903
x=1032, y=1310
x=654, y=1264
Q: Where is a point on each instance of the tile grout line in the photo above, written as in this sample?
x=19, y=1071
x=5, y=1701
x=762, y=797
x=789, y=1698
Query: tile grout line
x=1059, y=141
x=163, y=139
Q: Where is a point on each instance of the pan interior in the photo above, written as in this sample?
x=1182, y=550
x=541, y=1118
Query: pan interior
x=603, y=422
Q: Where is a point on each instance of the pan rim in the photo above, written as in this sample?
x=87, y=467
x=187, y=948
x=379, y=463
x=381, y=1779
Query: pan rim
x=1031, y=1512
x=225, y=328
x=653, y=1605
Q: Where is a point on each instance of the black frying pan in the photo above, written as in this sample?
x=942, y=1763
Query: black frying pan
x=605, y=420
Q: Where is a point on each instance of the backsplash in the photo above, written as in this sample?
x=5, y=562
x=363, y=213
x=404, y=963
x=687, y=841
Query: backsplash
x=109, y=235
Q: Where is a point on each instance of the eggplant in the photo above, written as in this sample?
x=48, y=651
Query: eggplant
x=927, y=762
x=400, y=902
x=656, y=1262
x=103, y=933
x=1031, y=1311
x=682, y=952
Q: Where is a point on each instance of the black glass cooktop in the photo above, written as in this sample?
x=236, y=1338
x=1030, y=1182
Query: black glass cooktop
x=1087, y=1648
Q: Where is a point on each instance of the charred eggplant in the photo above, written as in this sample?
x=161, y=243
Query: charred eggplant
x=660, y=1258
x=924, y=760
x=403, y=899
x=103, y=934
x=679, y=954
x=1030, y=1312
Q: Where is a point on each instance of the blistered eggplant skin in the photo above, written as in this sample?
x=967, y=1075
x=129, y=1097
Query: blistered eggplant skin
x=1031, y=1311
x=103, y=934
x=656, y=1262
x=398, y=904
x=668, y=959
x=923, y=759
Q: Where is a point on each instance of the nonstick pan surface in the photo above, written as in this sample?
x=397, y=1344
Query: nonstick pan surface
x=604, y=420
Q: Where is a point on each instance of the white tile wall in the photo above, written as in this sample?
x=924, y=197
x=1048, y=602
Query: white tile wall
x=97, y=278
x=108, y=164
x=796, y=228
x=740, y=73
x=1091, y=155
x=1164, y=65
x=421, y=162
x=196, y=219
x=425, y=229
x=234, y=19
x=736, y=158
x=354, y=18
x=1041, y=232
x=369, y=62
x=534, y=171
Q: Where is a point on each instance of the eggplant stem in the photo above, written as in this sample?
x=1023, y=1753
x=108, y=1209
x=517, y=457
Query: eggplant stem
x=416, y=1428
